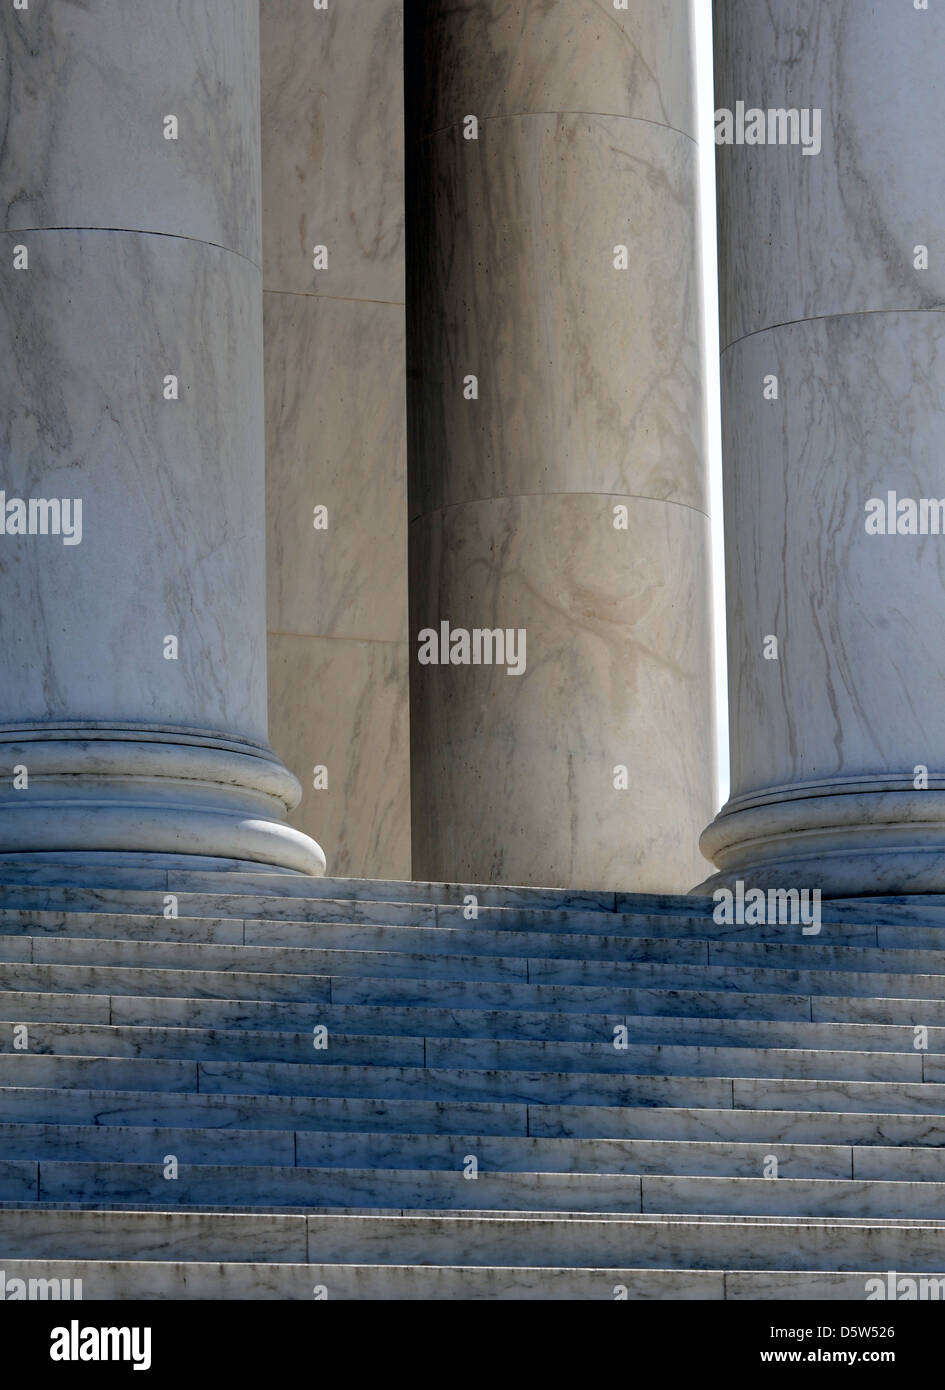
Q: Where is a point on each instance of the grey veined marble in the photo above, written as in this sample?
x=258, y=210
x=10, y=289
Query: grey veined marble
x=833, y=375
x=132, y=590
x=803, y=236
x=333, y=177
x=85, y=90
x=555, y=379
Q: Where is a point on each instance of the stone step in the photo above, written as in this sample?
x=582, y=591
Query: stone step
x=122, y=926
x=148, y=1280
x=286, y=916
x=680, y=1060
x=497, y=930
x=217, y=905
x=153, y=1109
x=58, y=870
x=254, y=1015
x=379, y=1150
x=144, y=1184
x=494, y=1153
x=389, y=1189
x=502, y=931
x=265, y=883
x=448, y=1039
x=279, y=960
x=140, y=955
x=749, y=1126
x=465, y=1084
x=513, y=1241
x=408, y=1021
x=757, y=1244
x=364, y=1082
x=117, y=981
x=17, y=977
x=270, y=1112
x=479, y=1054
x=688, y=1001
x=148, y=1143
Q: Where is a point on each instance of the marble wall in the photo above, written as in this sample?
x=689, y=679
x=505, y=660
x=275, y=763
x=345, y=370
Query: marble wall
x=595, y=765
x=133, y=686
x=332, y=122
x=832, y=281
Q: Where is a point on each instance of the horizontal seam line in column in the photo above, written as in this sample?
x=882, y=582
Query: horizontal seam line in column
x=510, y=497
x=604, y=115
x=137, y=231
x=339, y=637
x=822, y=318
x=341, y=298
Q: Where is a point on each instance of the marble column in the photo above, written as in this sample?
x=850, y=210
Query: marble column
x=556, y=443
x=332, y=122
x=832, y=271
x=133, y=681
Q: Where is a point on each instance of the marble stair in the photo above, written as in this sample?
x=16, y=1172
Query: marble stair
x=575, y=1095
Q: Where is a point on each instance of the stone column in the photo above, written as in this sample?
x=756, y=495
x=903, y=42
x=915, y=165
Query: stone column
x=133, y=680
x=557, y=455
x=832, y=269
x=333, y=178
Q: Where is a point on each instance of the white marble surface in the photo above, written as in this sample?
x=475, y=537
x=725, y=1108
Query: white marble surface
x=335, y=432
x=497, y=59
x=590, y=378
x=826, y=739
x=156, y=1235
x=280, y=1281
x=172, y=502
x=172, y=490
x=342, y=704
x=332, y=121
x=834, y=233
x=589, y=395
x=616, y=656
x=819, y=288
x=333, y=154
x=84, y=89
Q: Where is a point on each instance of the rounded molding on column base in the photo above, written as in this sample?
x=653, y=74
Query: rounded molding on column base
x=854, y=837
x=148, y=791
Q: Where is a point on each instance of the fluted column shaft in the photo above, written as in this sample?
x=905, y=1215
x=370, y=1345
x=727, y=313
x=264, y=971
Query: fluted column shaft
x=556, y=445
x=133, y=688
x=832, y=286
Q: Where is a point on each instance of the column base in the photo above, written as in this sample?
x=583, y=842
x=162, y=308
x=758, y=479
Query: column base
x=150, y=795
x=859, y=837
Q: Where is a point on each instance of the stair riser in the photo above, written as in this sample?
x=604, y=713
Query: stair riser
x=216, y=905
x=262, y=1113
x=97, y=1143
x=405, y=953
x=417, y=1022
x=419, y=1118
x=91, y=1040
